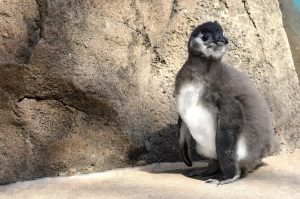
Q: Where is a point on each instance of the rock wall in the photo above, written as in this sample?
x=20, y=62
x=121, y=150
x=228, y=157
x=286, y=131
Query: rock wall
x=88, y=85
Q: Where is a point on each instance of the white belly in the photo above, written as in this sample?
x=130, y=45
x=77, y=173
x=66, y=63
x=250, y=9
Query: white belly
x=199, y=117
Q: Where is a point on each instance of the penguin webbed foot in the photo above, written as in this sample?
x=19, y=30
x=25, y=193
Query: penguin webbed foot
x=223, y=180
x=203, y=172
x=212, y=168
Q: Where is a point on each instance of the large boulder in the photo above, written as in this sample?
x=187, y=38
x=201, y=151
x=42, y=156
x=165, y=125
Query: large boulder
x=88, y=85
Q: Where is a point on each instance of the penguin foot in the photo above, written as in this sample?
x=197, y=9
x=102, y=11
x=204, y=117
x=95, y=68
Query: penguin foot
x=204, y=172
x=223, y=180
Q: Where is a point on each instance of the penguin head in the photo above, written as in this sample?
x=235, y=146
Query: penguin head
x=208, y=40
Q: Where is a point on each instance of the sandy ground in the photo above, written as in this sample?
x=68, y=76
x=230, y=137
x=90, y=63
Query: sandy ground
x=279, y=178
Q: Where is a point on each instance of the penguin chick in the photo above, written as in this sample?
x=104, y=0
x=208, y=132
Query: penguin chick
x=221, y=109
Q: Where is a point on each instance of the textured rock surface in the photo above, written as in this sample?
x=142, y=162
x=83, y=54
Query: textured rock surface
x=279, y=178
x=88, y=85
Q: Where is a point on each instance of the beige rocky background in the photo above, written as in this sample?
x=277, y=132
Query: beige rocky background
x=87, y=86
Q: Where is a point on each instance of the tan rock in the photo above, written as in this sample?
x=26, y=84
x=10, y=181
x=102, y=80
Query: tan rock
x=279, y=178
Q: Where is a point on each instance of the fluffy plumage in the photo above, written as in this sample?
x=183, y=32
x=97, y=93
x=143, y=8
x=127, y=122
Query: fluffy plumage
x=221, y=108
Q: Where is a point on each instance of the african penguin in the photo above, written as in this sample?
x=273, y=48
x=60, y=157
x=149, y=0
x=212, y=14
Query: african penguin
x=221, y=109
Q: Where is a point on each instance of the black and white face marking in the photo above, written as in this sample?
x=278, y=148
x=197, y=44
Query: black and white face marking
x=208, y=40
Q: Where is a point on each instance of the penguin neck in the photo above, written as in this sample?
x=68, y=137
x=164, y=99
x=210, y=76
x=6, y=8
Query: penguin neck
x=203, y=64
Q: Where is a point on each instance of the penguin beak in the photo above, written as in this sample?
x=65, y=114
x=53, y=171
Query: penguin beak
x=220, y=40
x=223, y=40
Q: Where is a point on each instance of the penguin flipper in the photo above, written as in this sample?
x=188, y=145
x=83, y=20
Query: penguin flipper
x=231, y=119
x=185, y=154
x=185, y=142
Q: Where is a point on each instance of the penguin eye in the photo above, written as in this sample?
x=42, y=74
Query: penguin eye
x=204, y=38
